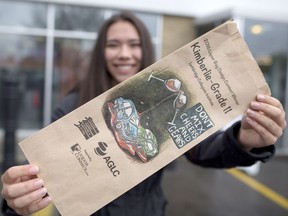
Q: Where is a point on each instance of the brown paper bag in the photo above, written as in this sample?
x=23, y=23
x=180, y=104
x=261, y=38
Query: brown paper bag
x=104, y=148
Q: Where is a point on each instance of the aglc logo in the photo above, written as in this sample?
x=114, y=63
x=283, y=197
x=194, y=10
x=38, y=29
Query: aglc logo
x=101, y=149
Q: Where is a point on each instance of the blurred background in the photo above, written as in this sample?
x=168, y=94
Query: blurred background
x=45, y=46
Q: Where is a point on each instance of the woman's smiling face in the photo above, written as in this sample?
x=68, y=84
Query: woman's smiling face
x=123, y=51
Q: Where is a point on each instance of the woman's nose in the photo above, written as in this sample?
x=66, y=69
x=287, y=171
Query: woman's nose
x=125, y=52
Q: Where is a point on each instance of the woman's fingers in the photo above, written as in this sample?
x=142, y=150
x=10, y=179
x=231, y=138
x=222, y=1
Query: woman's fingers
x=265, y=135
x=21, y=188
x=27, y=199
x=271, y=107
x=23, y=191
x=15, y=173
x=267, y=117
x=12, y=184
x=34, y=207
x=265, y=124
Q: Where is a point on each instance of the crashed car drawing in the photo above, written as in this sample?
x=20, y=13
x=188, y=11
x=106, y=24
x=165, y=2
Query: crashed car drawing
x=128, y=132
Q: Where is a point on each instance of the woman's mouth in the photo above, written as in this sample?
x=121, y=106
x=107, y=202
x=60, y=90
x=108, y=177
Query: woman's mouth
x=124, y=68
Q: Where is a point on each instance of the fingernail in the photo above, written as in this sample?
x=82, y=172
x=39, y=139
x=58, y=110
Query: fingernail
x=38, y=183
x=261, y=97
x=41, y=192
x=249, y=120
x=34, y=170
x=250, y=112
x=46, y=200
x=255, y=104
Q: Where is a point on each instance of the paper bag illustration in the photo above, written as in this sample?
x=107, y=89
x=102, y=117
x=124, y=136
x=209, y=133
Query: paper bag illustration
x=110, y=144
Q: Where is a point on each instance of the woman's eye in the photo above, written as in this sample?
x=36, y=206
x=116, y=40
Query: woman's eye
x=111, y=45
x=135, y=45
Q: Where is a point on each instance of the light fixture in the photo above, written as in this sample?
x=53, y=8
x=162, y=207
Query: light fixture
x=256, y=29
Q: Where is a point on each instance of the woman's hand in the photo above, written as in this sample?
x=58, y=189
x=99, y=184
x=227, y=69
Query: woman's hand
x=23, y=191
x=263, y=123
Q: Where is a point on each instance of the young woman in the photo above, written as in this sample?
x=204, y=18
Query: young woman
x=124, y=48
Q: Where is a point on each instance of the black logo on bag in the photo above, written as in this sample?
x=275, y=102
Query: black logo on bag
x=76, y=148
x=101, y=150
x=77, y=152
x=87, y=128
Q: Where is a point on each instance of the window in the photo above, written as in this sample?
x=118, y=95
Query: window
x=79, y=18
x=23, y=14
x=71, y=58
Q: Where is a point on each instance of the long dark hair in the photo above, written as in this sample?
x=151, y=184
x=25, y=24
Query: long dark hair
x=98, y=79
